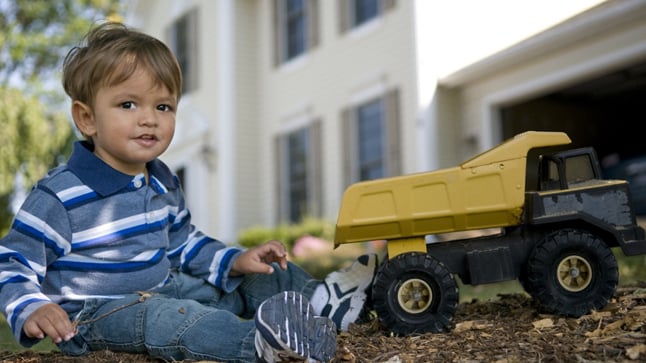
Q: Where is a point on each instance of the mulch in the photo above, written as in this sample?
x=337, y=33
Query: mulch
x=509, y=329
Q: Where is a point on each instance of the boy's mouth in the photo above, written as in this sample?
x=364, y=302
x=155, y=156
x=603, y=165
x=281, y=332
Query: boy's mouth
x=146, y=139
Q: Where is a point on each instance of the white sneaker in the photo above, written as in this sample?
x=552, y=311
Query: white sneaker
x=348, y=291
x=287, y=327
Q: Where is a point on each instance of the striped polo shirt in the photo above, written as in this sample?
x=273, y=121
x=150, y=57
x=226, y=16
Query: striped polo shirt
x=87, y=230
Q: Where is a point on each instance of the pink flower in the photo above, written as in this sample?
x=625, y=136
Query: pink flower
x=308, y=245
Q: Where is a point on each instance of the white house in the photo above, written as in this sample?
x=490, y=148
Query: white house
x=288, y=102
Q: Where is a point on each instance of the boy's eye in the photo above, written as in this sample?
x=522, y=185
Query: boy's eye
x=164, y=108
x=128, y=105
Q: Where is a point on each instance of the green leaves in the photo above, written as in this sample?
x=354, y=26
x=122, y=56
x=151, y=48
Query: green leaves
x=31, y=138
x=36, y=34
x=36, y=132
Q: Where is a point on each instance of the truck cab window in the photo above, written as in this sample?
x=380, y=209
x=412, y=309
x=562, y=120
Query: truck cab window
x=578, y=169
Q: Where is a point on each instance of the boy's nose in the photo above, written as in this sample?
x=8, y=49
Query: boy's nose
x=148, y=118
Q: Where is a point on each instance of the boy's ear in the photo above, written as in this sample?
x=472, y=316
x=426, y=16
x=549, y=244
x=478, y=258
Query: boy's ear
x=83, y=118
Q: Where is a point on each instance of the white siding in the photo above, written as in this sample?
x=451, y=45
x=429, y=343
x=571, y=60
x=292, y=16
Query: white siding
x=450, y=70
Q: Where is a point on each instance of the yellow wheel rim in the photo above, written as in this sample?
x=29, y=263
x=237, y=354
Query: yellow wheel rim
x=574, y=273
x=414, y=296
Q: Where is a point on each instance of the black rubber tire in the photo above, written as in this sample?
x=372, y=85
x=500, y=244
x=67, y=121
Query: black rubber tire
x=415, y=293
x=572, y=272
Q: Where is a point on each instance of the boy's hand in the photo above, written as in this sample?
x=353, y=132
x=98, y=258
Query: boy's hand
x=49, y=320
x=258, y=259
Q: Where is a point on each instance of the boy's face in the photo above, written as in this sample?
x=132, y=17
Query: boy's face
x=131, y=124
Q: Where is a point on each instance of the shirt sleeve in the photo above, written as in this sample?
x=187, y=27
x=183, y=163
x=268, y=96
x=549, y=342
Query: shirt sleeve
x=39, y=234
x=199, y=255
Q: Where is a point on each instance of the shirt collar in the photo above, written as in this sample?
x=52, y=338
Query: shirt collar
x=106, y=180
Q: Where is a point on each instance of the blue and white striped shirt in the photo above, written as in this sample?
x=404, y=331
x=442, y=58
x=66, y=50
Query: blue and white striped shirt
x=87, y=230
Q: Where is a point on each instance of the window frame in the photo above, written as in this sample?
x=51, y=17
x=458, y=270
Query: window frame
x=186, y=50
x=357, y=18
x=391, y=144
x=284, y=181
x=367, y=161
x=282, y=53
x=347, y=13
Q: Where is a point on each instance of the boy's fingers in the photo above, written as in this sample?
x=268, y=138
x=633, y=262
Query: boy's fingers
x=44, y=328
x=280, y=253
x=49, y=320
x=33, y=331
x=277, y=248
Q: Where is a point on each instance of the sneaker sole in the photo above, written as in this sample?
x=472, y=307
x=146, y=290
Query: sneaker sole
x=287, y=322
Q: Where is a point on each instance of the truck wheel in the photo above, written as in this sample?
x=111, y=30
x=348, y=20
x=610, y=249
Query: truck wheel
x=572, y=272
x=415, y=293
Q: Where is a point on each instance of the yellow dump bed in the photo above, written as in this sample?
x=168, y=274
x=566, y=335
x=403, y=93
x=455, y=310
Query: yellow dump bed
x=486, y=191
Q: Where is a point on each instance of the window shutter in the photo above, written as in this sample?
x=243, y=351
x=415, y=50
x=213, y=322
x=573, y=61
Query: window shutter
x=393, y=146
x=313, y=24
x=281, y=200
x=387, y=5
x=193, y=34
x=315, y=171
x=277, y=32
x=347, y=148
x=344, y=15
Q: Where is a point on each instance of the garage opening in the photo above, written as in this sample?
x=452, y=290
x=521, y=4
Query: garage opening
x=606, y=112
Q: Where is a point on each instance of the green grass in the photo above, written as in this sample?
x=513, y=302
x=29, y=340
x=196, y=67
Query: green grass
x=488, y=292
x=8, y=343
x=632, y=270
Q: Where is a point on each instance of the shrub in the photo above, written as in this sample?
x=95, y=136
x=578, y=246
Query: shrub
x=286, y=233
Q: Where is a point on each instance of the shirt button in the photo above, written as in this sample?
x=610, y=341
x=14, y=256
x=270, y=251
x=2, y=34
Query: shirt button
x=138, y=183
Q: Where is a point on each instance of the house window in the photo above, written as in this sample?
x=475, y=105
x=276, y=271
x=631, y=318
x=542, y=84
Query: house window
x=183, y=37
x=296, y=31
x=364, y=10
x=295, y=20
x=297, y=144
x=299, y=174
x=354, y=13
x=371, y=139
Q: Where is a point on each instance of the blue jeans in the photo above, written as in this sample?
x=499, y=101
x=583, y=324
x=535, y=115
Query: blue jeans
x=185, y=319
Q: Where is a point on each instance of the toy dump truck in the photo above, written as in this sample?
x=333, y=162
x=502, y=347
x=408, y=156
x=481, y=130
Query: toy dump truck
x=556, y=240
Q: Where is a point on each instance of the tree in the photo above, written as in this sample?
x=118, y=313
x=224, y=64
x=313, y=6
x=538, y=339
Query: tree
x=36, y=34
x=35, y=130
x=32, y=140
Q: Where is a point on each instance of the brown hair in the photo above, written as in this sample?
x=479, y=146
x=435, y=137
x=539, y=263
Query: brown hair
x=109, y=54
